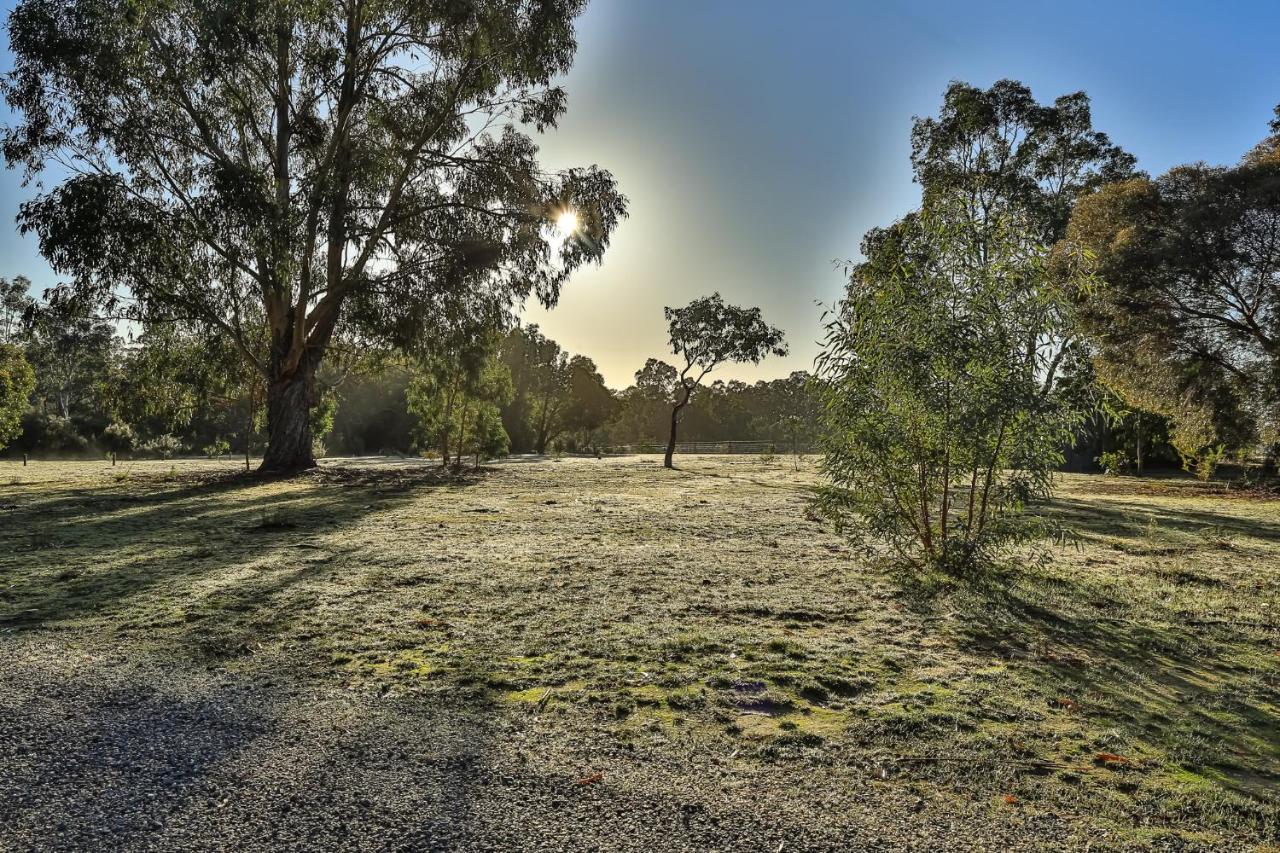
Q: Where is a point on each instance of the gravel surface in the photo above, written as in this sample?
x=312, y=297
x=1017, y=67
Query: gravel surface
x=101, y=752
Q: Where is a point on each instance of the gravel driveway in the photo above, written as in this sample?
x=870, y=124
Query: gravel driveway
x=104, y=752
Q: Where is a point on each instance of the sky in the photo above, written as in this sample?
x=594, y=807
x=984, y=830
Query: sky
x=758, y=140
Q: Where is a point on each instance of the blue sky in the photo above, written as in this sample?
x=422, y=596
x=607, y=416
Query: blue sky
x=758, y=140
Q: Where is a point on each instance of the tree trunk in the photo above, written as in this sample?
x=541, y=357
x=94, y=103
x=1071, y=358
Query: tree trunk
x=675, y=420
x=289, y=398
x=671, y=441
x=1138, y=458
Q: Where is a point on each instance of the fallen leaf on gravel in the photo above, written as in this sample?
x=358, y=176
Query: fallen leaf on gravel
x=591, y=780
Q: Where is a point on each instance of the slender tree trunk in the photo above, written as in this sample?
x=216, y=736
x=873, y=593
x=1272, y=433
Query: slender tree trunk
x=671, y=440
x=946, y=478
x=1138, y=461
x=462, y=435
x=289, y=399
x=446, y=424
x=248, y=424
x=675, y=421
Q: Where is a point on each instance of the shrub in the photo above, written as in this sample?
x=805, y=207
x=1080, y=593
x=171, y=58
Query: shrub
x=161, y=447
x=1114, y=463
x=119, y=437
x=938, y=431
x=51, y=434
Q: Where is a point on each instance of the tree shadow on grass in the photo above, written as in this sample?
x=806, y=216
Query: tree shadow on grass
x=92, y=551
x=1134, y=522
x=1190, y=690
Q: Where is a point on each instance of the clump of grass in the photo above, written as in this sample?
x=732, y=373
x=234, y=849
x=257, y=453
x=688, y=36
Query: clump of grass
x=275, y=520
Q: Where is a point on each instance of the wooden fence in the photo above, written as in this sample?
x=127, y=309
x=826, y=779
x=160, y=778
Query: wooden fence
x=710, y=447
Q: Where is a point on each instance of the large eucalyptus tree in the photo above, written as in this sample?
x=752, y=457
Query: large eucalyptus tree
x=287, y=170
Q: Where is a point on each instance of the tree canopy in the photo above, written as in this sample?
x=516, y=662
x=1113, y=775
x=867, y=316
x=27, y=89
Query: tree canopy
x=17, y=381
x=301, y=168
x=1187, y=322
x=706, y=333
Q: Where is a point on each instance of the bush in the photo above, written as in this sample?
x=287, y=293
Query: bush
x=51, y=434
x=161, y=447
x=119, y=437
x=217, y=448
x=1114, y=463
x=1208, y=461
x=937, y=432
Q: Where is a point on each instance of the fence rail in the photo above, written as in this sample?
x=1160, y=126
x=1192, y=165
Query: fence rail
x=710, y=447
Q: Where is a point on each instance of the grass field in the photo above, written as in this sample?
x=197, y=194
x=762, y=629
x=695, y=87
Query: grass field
x=1123, y=694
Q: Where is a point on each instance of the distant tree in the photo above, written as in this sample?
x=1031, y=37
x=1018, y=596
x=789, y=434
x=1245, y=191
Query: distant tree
x=297, y=170
x=937, y=434
x=71, y=353
x=642, y=409
x=17, y=381
x=183, y=381
x=372, y=414
x=118, y=438
x=457, y=397
x=16, y=304
x=796, y=410
x=590, y=402
x=1187, y=320
x=553, y=393
x=541, y=380
x=707, y=333
x=658, y=380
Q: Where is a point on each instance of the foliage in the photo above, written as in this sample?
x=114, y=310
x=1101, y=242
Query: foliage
x=992, y=155
x=540, y=377
x=300, y=171
x=161, y=447
x=998, y=150
x=17, y=381
x=15, y=307
x=938, y=435
x=1185, y=324
x=1115, y=462
x=119, y=437
x=216, y=449
x=707, y=333
x=457, y=397
x=72, y=353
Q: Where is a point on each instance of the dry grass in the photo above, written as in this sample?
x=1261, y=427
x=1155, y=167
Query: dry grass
x=702, y=608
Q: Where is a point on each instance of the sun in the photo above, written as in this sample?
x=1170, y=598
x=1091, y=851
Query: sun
x=567, y=222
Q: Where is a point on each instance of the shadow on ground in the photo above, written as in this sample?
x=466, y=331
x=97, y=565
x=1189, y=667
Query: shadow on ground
x=94, y=550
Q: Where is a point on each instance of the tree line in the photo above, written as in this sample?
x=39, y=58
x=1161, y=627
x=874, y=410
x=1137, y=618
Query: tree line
x=170, y=391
